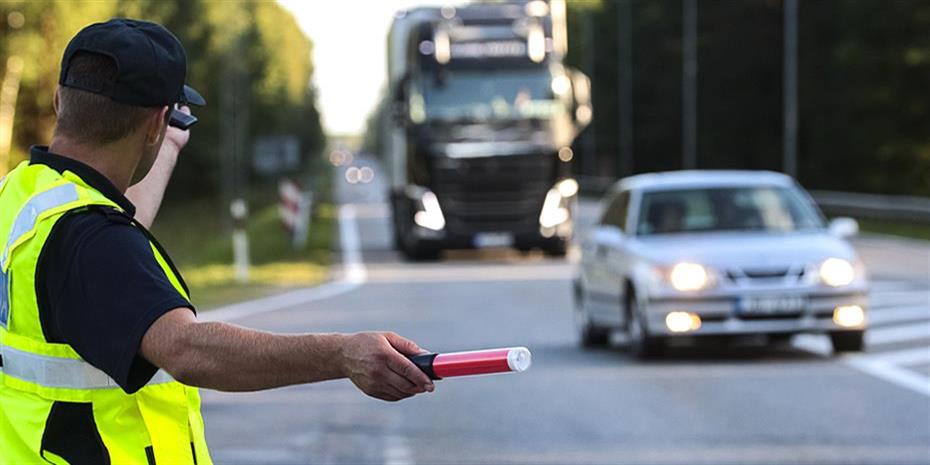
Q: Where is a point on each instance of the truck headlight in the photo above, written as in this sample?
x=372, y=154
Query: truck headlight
x=837, y=272
x=555, y=210
x=689, y=277
x=429, y=215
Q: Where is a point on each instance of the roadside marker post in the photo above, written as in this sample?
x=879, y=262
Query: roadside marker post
x=295, y=207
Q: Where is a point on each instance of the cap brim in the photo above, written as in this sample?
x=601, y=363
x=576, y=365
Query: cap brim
x=192, y=97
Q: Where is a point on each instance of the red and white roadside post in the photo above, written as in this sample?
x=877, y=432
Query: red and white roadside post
x=294, y=209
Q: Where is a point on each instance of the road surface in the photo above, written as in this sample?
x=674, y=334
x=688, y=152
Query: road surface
x=744, y=405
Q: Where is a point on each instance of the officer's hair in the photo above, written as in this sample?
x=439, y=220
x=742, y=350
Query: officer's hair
x=90, y=118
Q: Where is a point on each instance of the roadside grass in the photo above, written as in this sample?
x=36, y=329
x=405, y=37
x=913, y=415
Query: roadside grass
x=197, y=237
x=914, y=230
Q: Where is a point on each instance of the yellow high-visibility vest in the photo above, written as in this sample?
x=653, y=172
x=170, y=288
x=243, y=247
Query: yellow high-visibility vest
x=44, y=385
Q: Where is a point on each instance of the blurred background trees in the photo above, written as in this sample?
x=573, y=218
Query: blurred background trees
x=864, y=89
x=249, y=59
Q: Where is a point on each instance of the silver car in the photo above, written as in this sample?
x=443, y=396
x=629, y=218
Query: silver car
x=716, y=253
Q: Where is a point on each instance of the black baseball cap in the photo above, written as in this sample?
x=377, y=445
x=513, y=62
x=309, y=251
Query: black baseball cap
x=151, y=63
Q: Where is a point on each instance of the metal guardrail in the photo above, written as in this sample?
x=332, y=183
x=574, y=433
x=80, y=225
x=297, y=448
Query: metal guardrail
x=858, y=205
x=886, y=207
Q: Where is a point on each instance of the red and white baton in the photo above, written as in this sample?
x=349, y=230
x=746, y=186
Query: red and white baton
x=477, y=362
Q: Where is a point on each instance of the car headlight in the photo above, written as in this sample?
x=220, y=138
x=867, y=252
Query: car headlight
x=837, y=272
x=689, y=277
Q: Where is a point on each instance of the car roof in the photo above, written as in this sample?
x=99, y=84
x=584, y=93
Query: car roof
x=702, y=178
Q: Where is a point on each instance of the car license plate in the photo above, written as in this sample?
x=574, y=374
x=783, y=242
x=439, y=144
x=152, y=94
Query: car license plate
x=772, y=305
x=493, y=240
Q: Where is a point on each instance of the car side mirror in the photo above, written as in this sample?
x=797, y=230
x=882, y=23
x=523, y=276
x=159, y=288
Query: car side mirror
x=609, y=235
x=844, y=227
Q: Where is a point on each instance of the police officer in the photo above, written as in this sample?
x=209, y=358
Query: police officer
x=100, y=345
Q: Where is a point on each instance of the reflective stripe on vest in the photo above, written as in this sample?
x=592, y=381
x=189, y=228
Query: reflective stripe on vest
x=4, y=299
x=41, y=203
x=57, y=372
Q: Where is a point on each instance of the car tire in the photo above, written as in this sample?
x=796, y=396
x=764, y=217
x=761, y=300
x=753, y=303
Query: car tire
x=642, y=344
x=589, y=334
x=847, y=341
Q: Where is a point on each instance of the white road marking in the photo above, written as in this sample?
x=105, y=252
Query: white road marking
x=470, y=273
x=897, y=333
x=904, y=357
x=888, y=366
x=890, y=299
x=898, y=314
x=892, y=373
x=889, y=285
x=397, y=451
x=354, y=275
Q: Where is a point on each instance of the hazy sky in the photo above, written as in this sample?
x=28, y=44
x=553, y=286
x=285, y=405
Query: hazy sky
x=349, y=44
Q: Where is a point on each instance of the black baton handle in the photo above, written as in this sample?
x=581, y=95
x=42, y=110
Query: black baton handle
x=425, y=363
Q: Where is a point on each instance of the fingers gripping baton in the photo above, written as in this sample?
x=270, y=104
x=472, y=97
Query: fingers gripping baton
x=478, y=362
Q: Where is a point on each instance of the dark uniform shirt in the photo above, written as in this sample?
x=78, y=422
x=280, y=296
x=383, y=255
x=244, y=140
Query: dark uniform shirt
x=98, y=284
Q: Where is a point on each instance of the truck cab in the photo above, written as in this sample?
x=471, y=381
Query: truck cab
x=483, y=115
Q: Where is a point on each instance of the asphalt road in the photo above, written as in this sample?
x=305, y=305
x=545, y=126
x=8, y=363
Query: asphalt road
x=742, y=405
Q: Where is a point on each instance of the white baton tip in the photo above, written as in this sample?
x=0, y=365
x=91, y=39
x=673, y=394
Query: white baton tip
x=519, y=359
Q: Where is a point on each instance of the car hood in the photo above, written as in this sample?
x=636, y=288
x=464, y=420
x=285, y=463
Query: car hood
x=730, y=249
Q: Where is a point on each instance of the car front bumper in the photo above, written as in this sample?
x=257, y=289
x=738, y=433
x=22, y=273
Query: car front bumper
x=720, y=314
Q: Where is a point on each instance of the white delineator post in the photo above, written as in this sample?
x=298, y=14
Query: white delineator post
x=240, y=240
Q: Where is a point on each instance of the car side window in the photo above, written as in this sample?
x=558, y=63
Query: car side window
x=616, y=211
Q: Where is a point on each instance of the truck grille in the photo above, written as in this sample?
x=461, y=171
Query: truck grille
x=493, y=194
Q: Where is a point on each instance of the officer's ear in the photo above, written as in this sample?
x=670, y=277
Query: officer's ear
x=55, y=103
x=158, y=122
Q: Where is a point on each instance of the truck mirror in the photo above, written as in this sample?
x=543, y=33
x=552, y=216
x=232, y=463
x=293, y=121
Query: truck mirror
x=399, y=113
x=399, y=108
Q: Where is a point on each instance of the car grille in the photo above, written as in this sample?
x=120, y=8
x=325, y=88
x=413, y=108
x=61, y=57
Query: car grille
x=492, y=194
x=760, y=275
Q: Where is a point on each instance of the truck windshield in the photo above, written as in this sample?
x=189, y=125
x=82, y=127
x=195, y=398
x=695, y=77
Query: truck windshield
x=772, y=209
x=490, y=95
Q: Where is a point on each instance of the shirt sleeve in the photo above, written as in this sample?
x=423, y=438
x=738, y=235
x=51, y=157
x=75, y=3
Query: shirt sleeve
x=104, y=291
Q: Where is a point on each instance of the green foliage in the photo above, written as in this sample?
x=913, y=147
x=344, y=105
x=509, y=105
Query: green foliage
x=255, y=43
x=864, y=70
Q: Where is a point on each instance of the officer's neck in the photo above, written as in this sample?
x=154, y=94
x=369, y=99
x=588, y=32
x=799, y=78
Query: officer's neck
x=116, y=161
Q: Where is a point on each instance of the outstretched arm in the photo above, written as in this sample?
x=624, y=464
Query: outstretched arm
x=227, y=357
x=148, y=193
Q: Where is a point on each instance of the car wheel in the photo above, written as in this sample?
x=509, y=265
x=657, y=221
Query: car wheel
x=589, y=334
x=847, y=341
x=642, y=344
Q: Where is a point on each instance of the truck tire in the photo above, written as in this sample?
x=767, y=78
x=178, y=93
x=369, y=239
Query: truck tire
x=421, y=253
x=847, y=341
x=557, y=248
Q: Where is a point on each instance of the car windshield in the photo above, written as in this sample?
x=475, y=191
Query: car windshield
x=484, y=96
x=773, y=209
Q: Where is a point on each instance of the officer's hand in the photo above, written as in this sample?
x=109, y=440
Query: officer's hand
x=175, y=138
x=377, y=364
